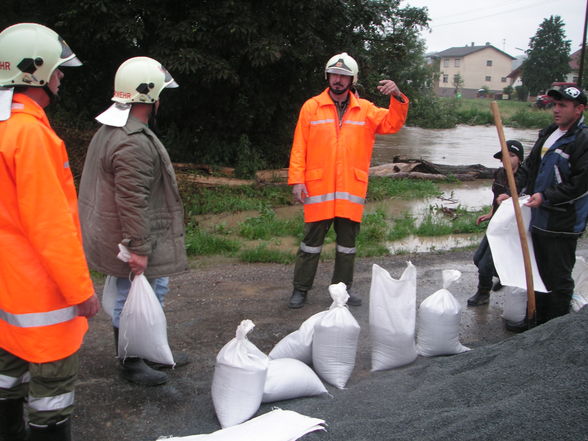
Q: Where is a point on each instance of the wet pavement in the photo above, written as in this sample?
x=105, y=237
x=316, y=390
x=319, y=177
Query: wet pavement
x=204, y=308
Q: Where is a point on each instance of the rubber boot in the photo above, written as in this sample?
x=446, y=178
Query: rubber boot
x=180, y=359
x=12, y=426
x=53, y=432
x=354, y=299
x=481, y=297
x=135, y=370
x=297, y=299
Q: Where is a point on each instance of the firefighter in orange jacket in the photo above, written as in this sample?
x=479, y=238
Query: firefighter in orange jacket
x=46, y=294
x=329, y=165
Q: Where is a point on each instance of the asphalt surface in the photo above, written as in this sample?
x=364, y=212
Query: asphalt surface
x=433, y=398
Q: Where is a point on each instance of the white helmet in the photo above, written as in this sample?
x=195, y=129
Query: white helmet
x=30, y=53
x=141, y=80
x=342, y=64
x=137, y=80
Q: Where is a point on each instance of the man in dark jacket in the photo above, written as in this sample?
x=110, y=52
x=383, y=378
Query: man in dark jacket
x=129, y=196
x=556, y=176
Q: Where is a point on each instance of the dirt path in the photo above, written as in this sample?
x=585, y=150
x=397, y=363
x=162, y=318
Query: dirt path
x=203, y=310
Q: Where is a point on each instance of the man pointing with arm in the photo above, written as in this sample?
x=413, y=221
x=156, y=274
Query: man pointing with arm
x=329, y=165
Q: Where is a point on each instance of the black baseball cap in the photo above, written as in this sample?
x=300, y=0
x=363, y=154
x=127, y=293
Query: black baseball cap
x=568, y=93
x=513, y=146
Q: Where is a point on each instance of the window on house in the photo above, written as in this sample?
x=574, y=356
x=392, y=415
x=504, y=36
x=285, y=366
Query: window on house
x=503, y=80
x=457, y=61
x=445, y=62
x=488, y=62
x=488, y=78
x=445, y=78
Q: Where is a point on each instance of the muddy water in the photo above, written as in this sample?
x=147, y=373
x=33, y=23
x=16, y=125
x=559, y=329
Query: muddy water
x=462, y=145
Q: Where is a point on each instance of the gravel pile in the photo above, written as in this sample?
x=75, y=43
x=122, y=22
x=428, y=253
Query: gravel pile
x=533, y=386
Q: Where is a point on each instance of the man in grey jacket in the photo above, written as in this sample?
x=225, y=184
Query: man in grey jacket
x=129, y=195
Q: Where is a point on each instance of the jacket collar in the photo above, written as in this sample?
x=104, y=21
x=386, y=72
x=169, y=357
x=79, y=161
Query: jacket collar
x=133, y=125
x=578, y=124
x=22, y=103
x=325, y=99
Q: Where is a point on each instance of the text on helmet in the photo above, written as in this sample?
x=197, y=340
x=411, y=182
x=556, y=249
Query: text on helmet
x=124, y=95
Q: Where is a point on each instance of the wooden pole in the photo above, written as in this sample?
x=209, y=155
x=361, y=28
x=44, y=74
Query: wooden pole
x=531, y=306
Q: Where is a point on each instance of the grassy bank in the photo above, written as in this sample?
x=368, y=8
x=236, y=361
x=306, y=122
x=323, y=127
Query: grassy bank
x=441, y=113
x=265, y=235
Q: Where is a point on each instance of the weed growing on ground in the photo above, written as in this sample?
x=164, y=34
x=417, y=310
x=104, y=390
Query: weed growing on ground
x=201, y=243
x=262, y=254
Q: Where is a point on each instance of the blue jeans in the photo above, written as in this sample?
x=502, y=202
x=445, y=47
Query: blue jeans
x=123, y=285
x=483, y=260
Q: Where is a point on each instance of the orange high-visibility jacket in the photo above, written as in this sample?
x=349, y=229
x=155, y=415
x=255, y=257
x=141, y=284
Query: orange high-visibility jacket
x=43, y=271
x=332, y=158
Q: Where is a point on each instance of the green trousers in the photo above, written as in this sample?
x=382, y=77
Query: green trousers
x=48, y=387
x=308, y=255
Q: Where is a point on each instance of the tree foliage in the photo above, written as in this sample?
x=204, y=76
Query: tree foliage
x=548, y=56
x=244, y=66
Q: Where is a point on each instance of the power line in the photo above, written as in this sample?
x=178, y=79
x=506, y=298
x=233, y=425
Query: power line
x=490, y=15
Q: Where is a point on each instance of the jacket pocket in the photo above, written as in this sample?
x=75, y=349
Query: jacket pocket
x=314, y=174
x=361, y=175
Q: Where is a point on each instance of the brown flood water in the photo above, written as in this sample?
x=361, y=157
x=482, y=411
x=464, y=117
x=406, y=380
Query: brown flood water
x=462, y=145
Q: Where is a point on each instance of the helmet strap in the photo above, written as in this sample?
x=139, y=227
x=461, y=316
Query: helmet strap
x=53, y=98
x=152, y=123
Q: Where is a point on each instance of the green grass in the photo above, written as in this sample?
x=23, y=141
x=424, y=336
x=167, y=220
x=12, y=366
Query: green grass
x=381, y=188
x=376, y=229
x=268, y=225
x=436, y=224
x=476, y=111
x=262, y=254
x=402, y=227
x=223, y=199
x=202, y=243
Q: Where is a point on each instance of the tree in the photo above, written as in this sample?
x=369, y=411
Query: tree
x=457, y=83
x=548, y=56
x=244, y=66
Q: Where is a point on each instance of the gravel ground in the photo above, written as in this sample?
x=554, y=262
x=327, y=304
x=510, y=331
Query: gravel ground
x=530, y=386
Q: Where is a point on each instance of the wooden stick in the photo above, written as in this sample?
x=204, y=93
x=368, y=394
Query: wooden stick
x=531, y=306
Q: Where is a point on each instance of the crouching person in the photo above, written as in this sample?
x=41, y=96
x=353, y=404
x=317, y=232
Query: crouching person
x=129, y=195
x=46, y=294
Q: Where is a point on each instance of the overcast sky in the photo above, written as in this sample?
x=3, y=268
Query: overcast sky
x=506, y=24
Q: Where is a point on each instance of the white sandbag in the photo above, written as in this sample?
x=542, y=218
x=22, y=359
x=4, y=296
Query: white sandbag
x=505, y=244
x=580, y=276
x=438, y=321
x=277, y=425
x=143, y=327
x=289, y=378
x=109, y=293
x=515, y=304
x=298, y=344
x=334, y=345
x=239, y=378
x=392, y=318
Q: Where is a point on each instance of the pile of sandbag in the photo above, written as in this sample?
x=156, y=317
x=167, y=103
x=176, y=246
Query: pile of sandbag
x=326, y=345
x=244, y=377
x=327, y=340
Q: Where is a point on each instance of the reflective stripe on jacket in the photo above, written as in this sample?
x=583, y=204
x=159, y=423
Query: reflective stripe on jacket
x=43, y=272
x=332, y=158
